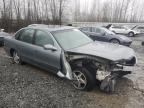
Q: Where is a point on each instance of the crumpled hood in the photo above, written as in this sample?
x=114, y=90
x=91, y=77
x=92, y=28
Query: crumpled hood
x=105, y=50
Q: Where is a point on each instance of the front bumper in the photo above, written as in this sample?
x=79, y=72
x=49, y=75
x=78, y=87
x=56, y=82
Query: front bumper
x=136, y=32
x=108, y=84
x=109, y=81
x=127, y=43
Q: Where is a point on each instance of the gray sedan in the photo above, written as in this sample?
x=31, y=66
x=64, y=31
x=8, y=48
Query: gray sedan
x=69, y=53
x=103, y=34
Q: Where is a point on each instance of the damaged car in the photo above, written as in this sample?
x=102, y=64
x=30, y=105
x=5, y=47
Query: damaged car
x=70, y=54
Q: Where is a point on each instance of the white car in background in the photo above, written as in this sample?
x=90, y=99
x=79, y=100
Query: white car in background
x=123, y=30
x=139, y=28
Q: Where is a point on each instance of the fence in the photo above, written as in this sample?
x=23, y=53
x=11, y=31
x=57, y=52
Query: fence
x=82, y=24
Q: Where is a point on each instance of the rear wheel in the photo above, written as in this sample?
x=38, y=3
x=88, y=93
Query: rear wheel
x=83, y=79
x=16, y=58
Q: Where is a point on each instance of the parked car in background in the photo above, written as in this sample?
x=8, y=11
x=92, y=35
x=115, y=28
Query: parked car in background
x=105, y=35
x=124, y=30
x=2, y=35
x=71, y=54
x=139, y=28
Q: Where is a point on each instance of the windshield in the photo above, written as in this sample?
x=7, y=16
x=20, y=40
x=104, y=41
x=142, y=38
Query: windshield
x=108, y=31
x=72, y=38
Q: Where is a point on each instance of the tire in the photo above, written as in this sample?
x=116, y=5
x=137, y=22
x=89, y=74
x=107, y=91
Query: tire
x=115, y=41
x=131, y=34
x=16, y=58
x=83, y=79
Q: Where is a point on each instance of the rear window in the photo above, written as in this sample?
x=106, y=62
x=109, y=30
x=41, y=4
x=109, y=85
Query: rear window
x=27, y=36
x=86, y=29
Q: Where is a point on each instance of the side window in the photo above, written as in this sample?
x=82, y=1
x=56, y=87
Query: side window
x=116, y=27
x=27, y=36
x=43, y=38
x=18, y=34
x=96, y=30
x=123, y=28
x=140, y=28
x=86, y=29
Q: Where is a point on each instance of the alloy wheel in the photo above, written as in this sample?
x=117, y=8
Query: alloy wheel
x=80, y=80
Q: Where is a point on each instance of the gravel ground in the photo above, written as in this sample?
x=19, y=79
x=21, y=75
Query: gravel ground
x=29, y=87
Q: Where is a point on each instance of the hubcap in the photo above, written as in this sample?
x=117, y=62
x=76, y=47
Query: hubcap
x=80, y=80
x=131, y=34
x=16, y=58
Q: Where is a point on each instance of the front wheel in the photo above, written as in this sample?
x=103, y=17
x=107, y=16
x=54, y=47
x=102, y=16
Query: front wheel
x=115, y=41
x=83, y=79
x=131, y=34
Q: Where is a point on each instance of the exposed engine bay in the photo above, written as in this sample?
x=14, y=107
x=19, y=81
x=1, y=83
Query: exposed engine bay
x=105, y=71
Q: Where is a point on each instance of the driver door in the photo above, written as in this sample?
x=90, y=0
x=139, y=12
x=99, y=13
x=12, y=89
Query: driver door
x=47, y=59
x=123, y=30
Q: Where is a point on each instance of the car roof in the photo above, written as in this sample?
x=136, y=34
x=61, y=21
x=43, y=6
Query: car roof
x=50, y=28
x=92, y=26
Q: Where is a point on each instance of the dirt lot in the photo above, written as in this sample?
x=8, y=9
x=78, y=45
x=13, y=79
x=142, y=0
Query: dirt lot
x=30, y=87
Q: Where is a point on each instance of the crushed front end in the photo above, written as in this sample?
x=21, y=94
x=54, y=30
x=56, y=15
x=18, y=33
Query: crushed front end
x=106, y=71
x=108, y=75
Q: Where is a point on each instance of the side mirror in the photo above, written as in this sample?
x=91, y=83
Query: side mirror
x=50, y=47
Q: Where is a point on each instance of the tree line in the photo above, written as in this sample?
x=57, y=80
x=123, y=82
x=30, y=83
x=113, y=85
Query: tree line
x=109, y=11
x=15, y=14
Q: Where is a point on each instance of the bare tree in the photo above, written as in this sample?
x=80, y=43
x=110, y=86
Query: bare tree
x=14, y=14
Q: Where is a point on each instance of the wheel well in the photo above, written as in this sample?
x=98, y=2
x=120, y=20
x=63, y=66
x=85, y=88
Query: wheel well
x=11, y=51
x=131, y=32
x=114, y=39
x=76, y=63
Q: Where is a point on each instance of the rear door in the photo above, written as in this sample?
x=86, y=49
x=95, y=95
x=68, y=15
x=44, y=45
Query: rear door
x=47, y=59
x=25, y=44
x=116, y=29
